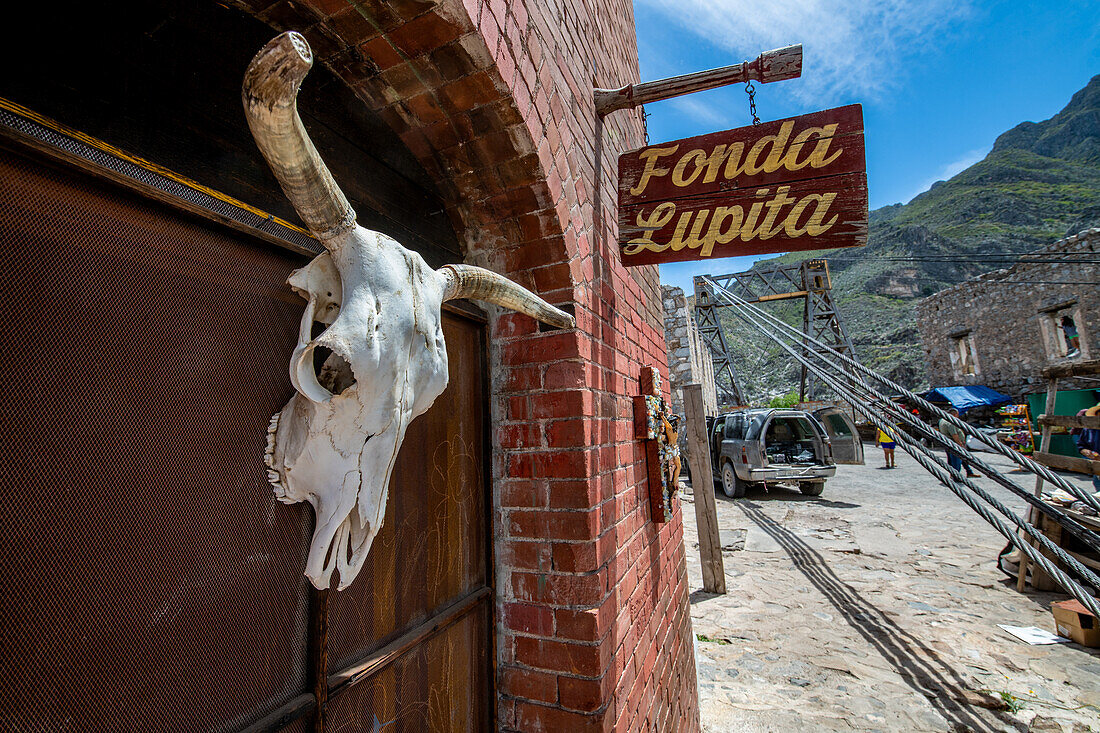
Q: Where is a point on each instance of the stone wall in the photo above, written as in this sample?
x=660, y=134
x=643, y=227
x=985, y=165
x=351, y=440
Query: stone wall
x=991, y=331
x=688, y=358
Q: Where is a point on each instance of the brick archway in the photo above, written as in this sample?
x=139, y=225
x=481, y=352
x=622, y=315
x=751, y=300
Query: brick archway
x=428, y=70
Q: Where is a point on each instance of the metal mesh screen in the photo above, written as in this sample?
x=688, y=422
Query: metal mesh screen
x=438, y=686
x=432, y=548
x=151, y=580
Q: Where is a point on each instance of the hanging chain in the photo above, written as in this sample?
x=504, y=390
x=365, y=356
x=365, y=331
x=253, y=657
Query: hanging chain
x=645, y=124
x=751, y=91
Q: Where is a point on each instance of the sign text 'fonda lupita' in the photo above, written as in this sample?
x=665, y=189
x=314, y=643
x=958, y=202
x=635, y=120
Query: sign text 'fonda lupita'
x=793, y=184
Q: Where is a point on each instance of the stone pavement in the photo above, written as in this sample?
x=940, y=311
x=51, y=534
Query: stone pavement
x=875, y=608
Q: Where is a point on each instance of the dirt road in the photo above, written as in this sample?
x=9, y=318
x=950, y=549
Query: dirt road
x=875, y=607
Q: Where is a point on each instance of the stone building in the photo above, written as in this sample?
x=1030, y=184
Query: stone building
x=519, y=582
x=688, y=358
x=1001, y=328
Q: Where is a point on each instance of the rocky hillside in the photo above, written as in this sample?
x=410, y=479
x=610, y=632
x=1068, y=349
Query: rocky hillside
x=1040, y=182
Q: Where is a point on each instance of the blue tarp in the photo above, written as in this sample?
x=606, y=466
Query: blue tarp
x=965, y=398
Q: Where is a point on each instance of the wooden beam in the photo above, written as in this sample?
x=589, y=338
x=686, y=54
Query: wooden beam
x=782, y=63
x=1075, y=369
x=364, y=668
x=777, y=296
x=1044, y=443
x=1070, y=421
x=1032, y=513
x=702, y=487
x=1068, y=463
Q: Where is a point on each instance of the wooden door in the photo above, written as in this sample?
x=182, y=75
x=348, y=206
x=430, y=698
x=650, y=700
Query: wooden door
x=152, y=582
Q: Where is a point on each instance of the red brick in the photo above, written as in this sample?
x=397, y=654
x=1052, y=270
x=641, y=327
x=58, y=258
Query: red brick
x=572, y=494
x=519, y=435
x=471, y=91
x=516, y=492
x=579, y=659
x=558, y=589
x=542, y=348
x=529, y=684
x=533, y=717
x=528, y=619
x=563, y=404
x=584, y=694
x=425, y=33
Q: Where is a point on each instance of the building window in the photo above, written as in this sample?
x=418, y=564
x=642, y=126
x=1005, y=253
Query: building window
x=1062, y=331
x=964, y=356
x=1072, y=341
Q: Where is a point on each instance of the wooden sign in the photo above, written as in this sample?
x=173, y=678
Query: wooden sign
x=662, y=454
x=793, y=184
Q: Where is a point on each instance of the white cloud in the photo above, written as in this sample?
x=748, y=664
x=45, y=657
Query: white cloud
x=700, y=111
x=850, y=47
x=967, y=159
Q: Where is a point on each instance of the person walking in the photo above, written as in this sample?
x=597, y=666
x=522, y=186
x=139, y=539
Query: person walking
x=956, y=434
x=887, y=443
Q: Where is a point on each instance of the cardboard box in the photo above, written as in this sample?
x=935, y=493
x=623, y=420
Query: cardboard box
x=1074, y=621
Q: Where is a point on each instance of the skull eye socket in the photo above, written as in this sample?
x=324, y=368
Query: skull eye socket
x=333, y=371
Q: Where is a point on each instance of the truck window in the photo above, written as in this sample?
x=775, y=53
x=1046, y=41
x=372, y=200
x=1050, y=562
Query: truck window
x=734, y=425
x=837, y=424
x=756, y=425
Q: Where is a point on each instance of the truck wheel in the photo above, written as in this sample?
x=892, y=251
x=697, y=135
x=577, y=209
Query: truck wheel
x=732, y=486
x=811, y=488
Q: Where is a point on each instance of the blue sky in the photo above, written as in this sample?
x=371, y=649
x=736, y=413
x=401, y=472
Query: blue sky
x=938, y=79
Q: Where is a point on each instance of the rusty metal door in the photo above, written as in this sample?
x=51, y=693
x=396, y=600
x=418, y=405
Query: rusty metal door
x=151, y=581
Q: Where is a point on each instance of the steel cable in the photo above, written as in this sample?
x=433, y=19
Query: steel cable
x=996, y=445
x=1071, y=525
x=954, y=481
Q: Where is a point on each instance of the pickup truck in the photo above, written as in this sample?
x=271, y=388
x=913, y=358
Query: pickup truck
x=753, y=446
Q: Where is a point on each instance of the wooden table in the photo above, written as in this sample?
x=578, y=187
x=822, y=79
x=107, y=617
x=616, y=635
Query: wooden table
x=1053, y=530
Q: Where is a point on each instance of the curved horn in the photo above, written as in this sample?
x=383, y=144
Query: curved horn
x=477, y=283
x=269, y=93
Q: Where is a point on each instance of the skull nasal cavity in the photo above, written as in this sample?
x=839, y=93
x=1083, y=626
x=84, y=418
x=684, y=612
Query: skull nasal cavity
x=333, y=371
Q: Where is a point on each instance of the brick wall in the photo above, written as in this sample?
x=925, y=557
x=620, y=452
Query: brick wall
x=495, y=100
x=689, y=361
x=1012, y=329
x=595, y=630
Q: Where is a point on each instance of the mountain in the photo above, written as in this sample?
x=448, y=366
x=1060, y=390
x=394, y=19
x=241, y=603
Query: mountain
x=1039, y=183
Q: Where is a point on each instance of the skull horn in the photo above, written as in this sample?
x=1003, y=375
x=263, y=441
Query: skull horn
x=477, y=283
x=269, y=93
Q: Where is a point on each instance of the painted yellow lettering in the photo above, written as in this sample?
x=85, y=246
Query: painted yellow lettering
x=678, y=241
x=650, y=156
x=774, y=159
x=748, y=228
x=678, y=172
x=790, y=161
x=733, y=161
x=814, y=225
x=716, y=234
x=660, y=216
x=765, y=230
x=817, y=157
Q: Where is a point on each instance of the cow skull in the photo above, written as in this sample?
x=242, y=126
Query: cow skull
x=382, y=356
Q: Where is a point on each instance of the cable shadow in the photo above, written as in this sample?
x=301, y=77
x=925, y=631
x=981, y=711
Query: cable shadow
x=920, y=667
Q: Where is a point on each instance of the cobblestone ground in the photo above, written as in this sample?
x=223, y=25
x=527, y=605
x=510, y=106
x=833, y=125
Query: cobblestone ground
x=875, y=607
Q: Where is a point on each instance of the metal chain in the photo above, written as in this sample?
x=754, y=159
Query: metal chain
x=751, y=91
x=645, y=124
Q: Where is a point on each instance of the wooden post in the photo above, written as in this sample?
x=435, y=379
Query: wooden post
x=782, y=63
x=702, y=486
x=1044, y=446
